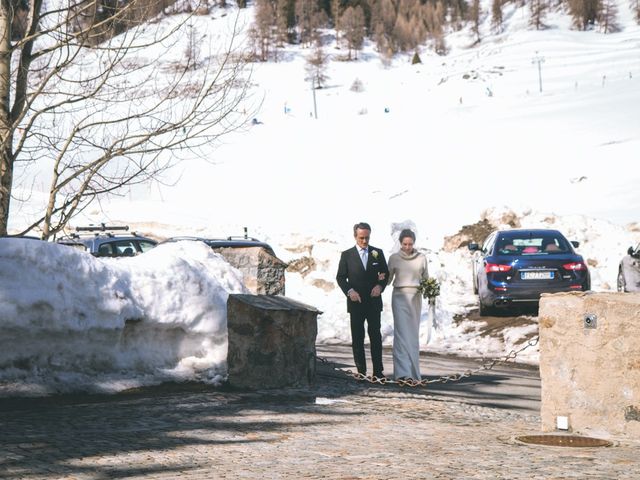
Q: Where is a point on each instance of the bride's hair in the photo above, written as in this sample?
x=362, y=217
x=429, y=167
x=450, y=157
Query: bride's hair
x=407, y=233
x=398, y=228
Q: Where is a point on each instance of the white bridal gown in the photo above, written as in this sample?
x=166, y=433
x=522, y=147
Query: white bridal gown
x=405, y=273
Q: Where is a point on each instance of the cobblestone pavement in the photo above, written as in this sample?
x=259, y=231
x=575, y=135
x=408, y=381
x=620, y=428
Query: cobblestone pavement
x=337, y=429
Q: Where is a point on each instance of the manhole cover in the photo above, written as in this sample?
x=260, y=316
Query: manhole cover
x=564, y=441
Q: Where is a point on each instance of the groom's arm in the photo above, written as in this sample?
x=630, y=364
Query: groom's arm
x=383, y=269
x=342, y=277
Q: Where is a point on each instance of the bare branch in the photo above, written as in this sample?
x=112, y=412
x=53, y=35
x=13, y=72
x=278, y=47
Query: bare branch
x=95, y=118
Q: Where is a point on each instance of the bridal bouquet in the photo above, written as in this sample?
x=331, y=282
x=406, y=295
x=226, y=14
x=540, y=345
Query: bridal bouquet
x=429, y=288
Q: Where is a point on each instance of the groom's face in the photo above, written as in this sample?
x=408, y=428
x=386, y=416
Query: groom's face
x=362, y=237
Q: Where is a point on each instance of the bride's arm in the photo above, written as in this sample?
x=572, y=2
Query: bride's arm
x=425, y=269
x=392, y=269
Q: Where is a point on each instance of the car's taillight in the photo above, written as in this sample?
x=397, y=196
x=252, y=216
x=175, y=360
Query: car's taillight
x=574, y=266
x=496, y=267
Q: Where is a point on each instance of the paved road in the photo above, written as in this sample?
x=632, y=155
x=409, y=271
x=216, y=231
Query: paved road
x=337, y=429
x=510, y=386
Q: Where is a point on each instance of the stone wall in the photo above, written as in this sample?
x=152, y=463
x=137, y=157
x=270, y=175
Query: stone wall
x=272, y=341
x=590, y=363
x=263, y=273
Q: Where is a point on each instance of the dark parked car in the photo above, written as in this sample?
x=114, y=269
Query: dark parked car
x=107, y=241
x=629, y=271
x=515, y=266
x=229, y=242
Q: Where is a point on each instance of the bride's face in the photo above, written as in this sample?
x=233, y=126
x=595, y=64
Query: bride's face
x=407, y=245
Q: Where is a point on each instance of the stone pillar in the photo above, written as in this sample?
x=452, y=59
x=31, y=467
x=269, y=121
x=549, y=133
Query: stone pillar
x=590, y=363
x=272, y=341
x=263, y=273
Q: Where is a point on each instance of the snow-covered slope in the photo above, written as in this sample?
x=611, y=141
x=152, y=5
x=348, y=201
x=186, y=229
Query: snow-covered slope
x=436, y=145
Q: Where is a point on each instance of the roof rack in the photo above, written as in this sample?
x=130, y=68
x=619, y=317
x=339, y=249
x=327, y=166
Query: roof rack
x=103, y=228
x=243, y=237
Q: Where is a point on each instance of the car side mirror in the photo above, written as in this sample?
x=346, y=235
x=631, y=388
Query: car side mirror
x=473, y=247
x=575, y=244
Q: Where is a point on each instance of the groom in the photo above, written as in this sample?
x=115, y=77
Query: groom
x=362, y=276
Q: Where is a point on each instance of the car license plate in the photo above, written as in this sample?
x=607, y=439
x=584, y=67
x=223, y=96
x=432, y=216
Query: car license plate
x=536, y=275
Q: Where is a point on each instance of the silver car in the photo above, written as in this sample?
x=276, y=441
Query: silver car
x=629, y=271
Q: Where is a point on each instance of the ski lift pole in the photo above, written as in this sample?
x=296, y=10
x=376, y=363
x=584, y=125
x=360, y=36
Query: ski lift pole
x=313, y=90
x=539, y=60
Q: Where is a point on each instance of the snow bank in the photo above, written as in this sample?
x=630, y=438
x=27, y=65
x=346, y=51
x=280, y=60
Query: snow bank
x=71, y=321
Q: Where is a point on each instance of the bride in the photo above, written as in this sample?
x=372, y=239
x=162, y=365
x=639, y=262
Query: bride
x=406, y=269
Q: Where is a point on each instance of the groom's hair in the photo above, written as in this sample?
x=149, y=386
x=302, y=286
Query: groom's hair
x=361, y=226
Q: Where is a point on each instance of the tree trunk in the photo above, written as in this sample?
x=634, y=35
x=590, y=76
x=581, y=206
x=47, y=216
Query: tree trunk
x=6, y=136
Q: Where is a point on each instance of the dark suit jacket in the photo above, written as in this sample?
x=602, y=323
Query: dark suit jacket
x=351, y=274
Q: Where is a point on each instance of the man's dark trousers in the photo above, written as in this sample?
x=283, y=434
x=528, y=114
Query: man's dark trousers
x=372, y=318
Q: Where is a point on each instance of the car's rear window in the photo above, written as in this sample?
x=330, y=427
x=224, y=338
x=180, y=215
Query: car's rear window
x=145, y=245
x=531, y=245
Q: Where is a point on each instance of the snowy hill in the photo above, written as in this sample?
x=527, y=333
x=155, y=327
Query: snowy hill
x=434, y=145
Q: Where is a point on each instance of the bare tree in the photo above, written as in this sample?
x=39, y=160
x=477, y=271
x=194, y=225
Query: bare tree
x=353, y=23
x=538, y=10
x=95, y=118
x=608, y=18
x=310, y=17
x=475, y=13
x=383, y=21
x=635, y=9
x=458, y=12
x=192, y=50
x=316, y=66
x=403, y=33
x=496, y=15
x=436, y=29
x=410, y=29
x=282, y=13
x=336, y=13
x=584, y=13
x=261, y=32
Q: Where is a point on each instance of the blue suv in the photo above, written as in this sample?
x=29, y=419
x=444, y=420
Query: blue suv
x=517, y=266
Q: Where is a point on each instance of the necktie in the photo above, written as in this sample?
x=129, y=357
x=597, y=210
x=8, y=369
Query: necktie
x=363, y=256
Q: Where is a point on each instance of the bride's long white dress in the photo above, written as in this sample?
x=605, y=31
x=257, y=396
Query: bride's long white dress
x=405, y=272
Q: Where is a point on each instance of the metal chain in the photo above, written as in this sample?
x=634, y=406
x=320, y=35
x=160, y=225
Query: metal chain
x=443, y=379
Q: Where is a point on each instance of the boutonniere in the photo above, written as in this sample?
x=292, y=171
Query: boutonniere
x=374, y=253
